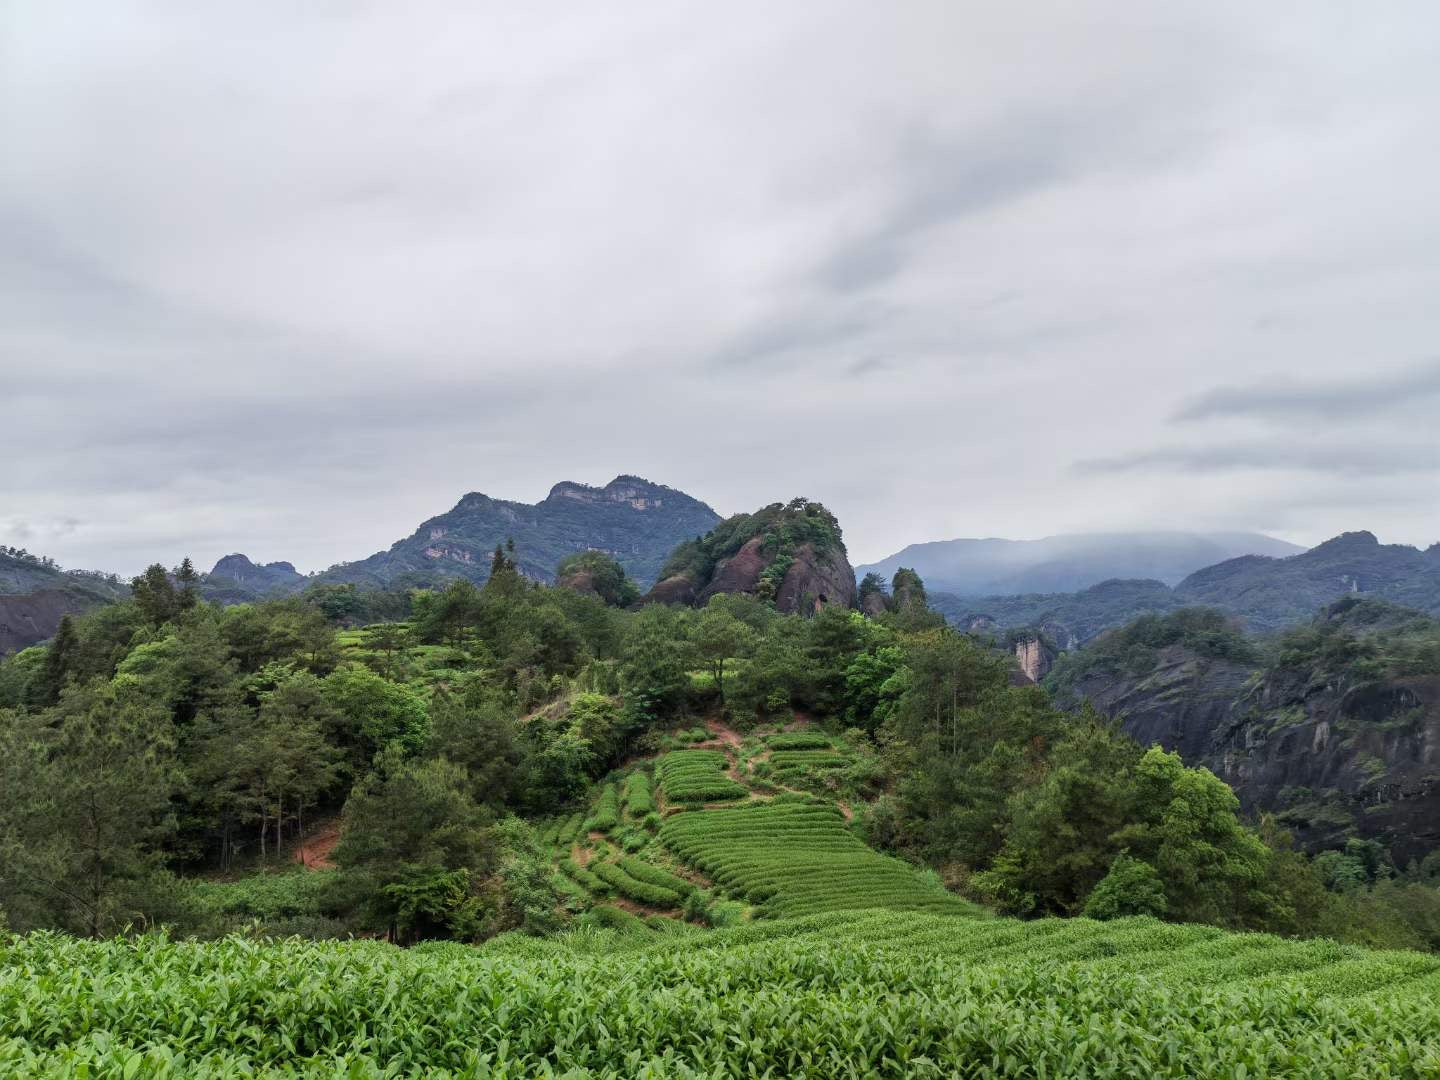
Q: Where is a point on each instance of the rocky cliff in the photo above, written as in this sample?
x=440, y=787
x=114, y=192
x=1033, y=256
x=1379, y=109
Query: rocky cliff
x=34, y=617
x=791, y=554
x=1332, y=753
x=35, y=593
x=1032, y=656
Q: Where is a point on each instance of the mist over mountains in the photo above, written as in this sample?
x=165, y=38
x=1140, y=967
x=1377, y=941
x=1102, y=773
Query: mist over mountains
x=1070, y=562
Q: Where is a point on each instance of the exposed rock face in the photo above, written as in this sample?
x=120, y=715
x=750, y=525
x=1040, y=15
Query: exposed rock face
x=815, y=581
x=581, y=581
x=35, y=593
x=33, y=618
x=1327, y=761
x=812, y=581
x=874, y=605
x=740, y=573
x=1032, y=657
x=790, y=553
x=676, y=589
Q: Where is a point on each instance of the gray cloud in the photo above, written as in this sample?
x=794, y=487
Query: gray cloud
x=1338, y=459
x=944, y=180
x=1308, y=400
x=904, y=259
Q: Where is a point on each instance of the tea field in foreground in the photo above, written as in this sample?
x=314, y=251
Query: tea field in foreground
x=873, y=993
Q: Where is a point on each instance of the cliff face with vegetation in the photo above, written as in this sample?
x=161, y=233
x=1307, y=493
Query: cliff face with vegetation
x=1333, y=728
x=35, y=594
x=790, y=553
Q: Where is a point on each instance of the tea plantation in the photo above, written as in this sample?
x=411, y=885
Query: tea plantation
x=842, y=963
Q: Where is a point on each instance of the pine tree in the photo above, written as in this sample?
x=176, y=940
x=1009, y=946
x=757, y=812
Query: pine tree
x=58, y=660
x=155, y=595
x=188, y=580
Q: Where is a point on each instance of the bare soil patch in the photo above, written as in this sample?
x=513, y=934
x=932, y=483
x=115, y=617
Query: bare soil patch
x=315, y=851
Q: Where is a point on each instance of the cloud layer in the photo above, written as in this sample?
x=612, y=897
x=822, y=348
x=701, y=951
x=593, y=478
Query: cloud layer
x=288, y=280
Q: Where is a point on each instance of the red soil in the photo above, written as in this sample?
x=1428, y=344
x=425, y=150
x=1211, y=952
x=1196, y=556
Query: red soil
x=314, y=852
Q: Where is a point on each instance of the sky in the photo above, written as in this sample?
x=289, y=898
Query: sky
x=289, y=278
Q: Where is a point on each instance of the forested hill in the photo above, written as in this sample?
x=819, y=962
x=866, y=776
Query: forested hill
x=630, y=518
x=1272, y=593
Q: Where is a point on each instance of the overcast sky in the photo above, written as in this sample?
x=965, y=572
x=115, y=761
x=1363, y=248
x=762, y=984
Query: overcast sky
x=288, y=278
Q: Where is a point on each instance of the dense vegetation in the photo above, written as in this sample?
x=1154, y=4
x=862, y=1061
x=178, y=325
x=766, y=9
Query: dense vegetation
x=692, y=842
x=848, y=994
x=164, y=740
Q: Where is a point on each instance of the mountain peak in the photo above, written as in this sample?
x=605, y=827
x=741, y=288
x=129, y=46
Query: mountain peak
x=271, y=579
x=636, y=521
x=1362, y=538
x=640, y=493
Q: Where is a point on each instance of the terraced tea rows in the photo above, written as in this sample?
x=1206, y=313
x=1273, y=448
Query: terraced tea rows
x=856, y=994
x=798, y=740
x=796, y=857
x=697, y=776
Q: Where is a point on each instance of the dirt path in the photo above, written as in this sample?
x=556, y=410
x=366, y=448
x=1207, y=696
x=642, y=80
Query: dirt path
x=580, y=855
x=315, y=850
x=724, y=733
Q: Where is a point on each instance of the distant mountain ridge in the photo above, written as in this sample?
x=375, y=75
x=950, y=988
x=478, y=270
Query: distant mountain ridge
x=633, y=519
x=1070, y=562
x=1266, y=593
x=1271, y=593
